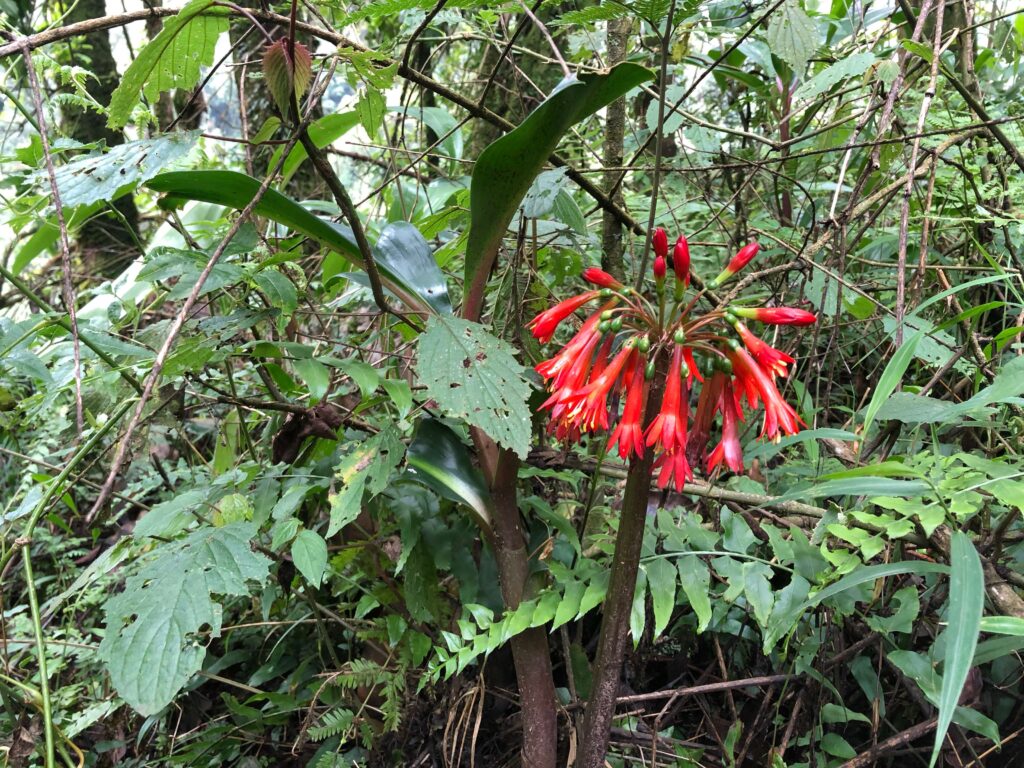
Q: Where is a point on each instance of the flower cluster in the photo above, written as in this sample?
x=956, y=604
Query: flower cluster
x=631, y=340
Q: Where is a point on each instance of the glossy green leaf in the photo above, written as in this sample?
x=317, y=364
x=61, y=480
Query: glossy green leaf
x=406, y=264
x=506, y=169
x=440, y=460
x=695, y=579
x=966, y=605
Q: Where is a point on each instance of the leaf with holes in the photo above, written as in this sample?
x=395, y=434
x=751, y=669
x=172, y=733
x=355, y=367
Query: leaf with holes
x=151, y=647
x=103, y=176
x=474, y=376
x=172, y=59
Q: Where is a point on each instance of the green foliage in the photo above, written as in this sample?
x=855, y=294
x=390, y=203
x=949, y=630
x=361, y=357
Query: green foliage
x=474, y=375
x=792, y=35
x=151, y=646
x=172, y=59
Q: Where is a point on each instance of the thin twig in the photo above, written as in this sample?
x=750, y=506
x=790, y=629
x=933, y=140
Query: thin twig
x=65, y=244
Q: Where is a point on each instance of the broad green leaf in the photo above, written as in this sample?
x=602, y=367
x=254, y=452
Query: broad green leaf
x=323, y=132
x=903, y=616
x=104, y=176
x=966, y=605
x=367, y=467
x=439, y=459
x=229, y=441
x=792, y=35
x=638, y=610
x=309, y=553
x=315, y=375
x=151, y=646
x=789, y=606
x=890, y=379
x=371, y=108
x=854, y=65
x=661, y=581
x=407, y=268
x=507, y=167
x=279, y=290
x=172, y=59
x=835, y=745
x=695, y=579
x=473, y=375
x=758, y=591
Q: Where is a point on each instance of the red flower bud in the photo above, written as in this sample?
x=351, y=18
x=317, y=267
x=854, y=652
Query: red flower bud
x=776, y=315
x=739, y=261
x=659, y=240
x=681, y=260
x=601, y=278
x=660, y=268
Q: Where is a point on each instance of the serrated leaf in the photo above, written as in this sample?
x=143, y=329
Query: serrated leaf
x=309, y=553
x=473, y=375
x=98, y=177
x=371, y=108
x=172, y=59
x=151, y=647
x=854, y=65
x=792, y=35
x=279, y=290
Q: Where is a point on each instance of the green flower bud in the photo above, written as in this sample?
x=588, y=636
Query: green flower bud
x=649, y=370
x=644, y=345
x=679, y=337
x=616, y=324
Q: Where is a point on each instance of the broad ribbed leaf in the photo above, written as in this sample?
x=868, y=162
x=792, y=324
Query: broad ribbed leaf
x=99, y=177
x=474, y=375
x=367, y=467
x=792, y=35
x=172, y=59
x=405, y=271
x=507, y=167
x=152, y=646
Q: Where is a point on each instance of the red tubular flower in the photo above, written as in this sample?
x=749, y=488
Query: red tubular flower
x=776, y=315
x=681, y=261
x=557, y=366
x=668, y=430
x=589, y=405
x=674, y=467
x=755, y=383
x=739, y=261
x=543, y=325
x=707, y=405
x=692, y=365
x=773, y=361
x=629, y=433
x=659, y=241
x=601, y=278
x=729, y=448
x=571, y=379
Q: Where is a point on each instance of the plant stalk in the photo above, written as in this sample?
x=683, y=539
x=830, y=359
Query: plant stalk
x=611, y=646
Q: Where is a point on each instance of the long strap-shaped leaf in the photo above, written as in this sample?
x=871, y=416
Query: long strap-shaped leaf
x=507, y=167
x=404, y=258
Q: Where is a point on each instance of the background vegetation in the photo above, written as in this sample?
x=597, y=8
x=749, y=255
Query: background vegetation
x=271, y=489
